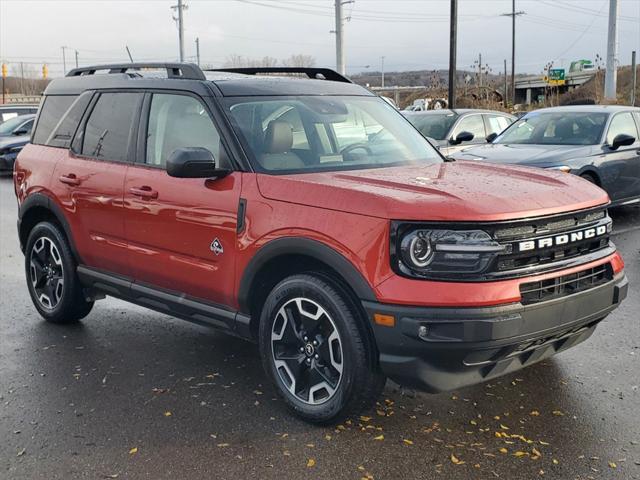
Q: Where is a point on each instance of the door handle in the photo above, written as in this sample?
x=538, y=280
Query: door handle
x=144, y=192
x=70, y=179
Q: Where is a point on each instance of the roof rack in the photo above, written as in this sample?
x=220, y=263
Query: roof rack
x=187, y=71
x=311, y=72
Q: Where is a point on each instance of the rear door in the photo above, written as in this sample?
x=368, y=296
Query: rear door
x=88, y=180
x=621, y=168
x=181, y=231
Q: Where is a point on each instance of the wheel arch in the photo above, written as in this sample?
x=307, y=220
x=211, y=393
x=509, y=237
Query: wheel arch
x=39, y=207
x=592, y=172
x=287, y=256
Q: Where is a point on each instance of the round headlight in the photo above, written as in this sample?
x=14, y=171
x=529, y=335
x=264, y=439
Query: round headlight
x=420, y=251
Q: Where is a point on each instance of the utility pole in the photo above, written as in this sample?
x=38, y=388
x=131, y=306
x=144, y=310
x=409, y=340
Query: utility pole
x=22, y=78
x=76, y=58
x=506, y=95
x=634, y=79
x=513, y=16
x=64, y=61
x=382, y=82
x=180, y=21
x=453, y=37
x=198, y=50
x=480, y=70
x=611, y=75
x=340, y=63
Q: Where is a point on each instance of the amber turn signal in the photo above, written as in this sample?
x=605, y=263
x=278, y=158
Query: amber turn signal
x=384, y=320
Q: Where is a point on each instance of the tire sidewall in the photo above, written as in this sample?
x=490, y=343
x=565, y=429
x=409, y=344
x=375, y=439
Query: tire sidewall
x=330, y=300
x=48, y=230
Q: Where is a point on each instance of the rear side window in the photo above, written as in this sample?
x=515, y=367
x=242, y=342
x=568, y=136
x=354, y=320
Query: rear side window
x=497, y=123
x=52, y=110
x=109, y=127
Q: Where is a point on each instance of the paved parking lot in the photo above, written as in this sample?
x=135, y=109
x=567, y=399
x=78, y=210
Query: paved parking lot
x=131, y=393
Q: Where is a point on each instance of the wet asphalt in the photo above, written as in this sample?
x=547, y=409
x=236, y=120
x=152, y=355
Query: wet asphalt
x=133, y=394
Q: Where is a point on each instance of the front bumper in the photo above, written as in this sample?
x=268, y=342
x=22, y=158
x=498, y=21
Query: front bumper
x=465, y=346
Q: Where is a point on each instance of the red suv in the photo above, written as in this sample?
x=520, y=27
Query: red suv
x=308, y=215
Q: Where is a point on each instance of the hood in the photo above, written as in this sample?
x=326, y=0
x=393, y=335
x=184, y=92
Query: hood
x=13, y=141
x=523, y=154
x=451, y=191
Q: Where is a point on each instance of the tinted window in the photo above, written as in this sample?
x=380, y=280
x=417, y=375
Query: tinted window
x=8, y=127
x=177, y=121
x=64, y=131
x=472, y=124
x=622, y=123
x=497, y=123
x=53, y=109
x=109, y=127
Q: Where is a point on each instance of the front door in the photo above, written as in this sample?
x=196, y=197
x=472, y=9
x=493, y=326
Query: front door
x=621, y=167
x=181, y=231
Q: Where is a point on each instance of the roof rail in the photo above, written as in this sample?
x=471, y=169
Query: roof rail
x=311, y=72
x=187, y=71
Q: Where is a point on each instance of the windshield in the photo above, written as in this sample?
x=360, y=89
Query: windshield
x=556, y=128
x=323, y=133
x=10, y=125
x=433, y=125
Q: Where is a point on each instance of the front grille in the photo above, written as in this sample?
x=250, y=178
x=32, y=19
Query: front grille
x=534, y=292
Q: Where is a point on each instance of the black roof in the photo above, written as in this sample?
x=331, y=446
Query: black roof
x=456, y=111
x=587, y=109
x=228, y=83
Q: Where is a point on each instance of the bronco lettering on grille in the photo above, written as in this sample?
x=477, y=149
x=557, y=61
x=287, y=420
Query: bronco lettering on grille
x=563, y=239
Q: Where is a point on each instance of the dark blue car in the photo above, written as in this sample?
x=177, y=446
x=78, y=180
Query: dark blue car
x=597, y=142
x=14, y=134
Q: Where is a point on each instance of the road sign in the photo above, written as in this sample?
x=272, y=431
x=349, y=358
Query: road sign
x=556, y=76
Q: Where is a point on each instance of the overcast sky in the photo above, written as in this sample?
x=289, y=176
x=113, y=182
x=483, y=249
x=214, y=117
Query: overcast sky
x=411, y=34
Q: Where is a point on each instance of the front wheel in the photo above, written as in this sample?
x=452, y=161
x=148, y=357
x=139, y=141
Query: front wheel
x=317, y=351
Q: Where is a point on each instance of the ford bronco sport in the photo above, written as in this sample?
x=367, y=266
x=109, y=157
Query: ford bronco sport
x=308, y=215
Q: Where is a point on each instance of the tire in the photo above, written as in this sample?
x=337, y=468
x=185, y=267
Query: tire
x=51, y=276
x=317, y=351
x=589, y=178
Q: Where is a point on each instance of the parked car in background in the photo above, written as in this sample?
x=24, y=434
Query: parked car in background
x=453, y=130
x=8, y=112
x=600, y=143
x=14, y=134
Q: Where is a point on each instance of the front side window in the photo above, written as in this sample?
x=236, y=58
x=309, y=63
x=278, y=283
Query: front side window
x=14, y=124
x=108, y=129
x=556, y=128
x=621, y=123
x=433, y=125
x=178, y=121
x=497, y=123
x=318, y=133
x=472, y=124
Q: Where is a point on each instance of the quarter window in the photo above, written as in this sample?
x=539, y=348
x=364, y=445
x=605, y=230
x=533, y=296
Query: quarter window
x=52, y=110
x=622, y=123
x=109, y=126
x=178, y=121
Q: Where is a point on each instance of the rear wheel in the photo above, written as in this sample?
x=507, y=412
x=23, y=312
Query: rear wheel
x=316, y=350
x=50, y=269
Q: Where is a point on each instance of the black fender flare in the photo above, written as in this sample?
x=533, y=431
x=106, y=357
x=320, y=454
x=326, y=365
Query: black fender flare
x=40, y=200
x=310, y=248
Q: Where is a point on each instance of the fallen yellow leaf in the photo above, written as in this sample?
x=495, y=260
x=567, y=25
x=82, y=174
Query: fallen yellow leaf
x=504, y=427
x=310, y=463
x=536, y=452
x=557, y=413
x=613, y=465
x=408, y=442
x=167, y=414
x=503, y=450
x=133, y=450
x=365, y=419
x=223, y=445
x=455, y=460
x=555, y=462
x=520, y=454
x=534, y=413
x=379, y=437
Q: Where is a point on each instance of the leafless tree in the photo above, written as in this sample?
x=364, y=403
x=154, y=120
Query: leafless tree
x=299, y=60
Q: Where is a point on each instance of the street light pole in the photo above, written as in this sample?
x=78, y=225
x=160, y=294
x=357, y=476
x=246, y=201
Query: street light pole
x=198, y=50
x=611, y=75
x=64, y=61
x=453, y=36
x=340, y=63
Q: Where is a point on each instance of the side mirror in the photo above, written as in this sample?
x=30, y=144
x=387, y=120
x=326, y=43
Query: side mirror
x=461, y=137
x=193, y=162
x=622, y=140
x=491, y=137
